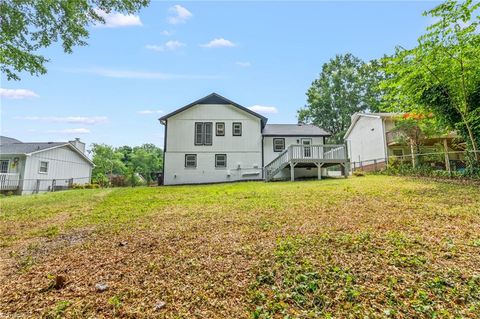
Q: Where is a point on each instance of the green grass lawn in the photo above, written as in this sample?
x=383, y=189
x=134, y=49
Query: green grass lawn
x=367, y=247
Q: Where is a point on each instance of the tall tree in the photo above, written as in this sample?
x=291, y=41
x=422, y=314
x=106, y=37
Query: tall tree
x=107, y=161
x=442, y=73
x=30, y=25
x=346, y=85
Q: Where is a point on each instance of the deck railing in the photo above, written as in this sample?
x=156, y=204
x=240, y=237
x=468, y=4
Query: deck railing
x=305, y=153
x=9, y=181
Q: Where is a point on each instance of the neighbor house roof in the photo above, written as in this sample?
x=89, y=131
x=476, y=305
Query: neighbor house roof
x=293, y=130
x=357, y=116
x=214, y=98
x=11, y=146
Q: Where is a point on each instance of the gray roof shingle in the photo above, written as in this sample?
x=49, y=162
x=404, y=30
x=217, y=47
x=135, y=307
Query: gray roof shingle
x=26, y=148
x=293, y=130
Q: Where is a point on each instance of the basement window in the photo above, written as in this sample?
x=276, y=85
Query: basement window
x=220, y=160
x=190, y=160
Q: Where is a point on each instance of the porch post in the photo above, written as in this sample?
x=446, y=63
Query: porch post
x=292, y=171
x=447, y=159
x=319, y=168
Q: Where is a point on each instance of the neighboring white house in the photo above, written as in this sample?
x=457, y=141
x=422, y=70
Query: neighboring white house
x=217, y=140
x=27, y=168
x=372, y=139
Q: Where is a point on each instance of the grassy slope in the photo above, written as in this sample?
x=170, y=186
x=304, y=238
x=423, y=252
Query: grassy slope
x=374, y=246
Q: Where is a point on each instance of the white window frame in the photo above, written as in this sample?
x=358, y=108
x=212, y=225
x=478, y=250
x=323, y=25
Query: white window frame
x=40, y=168
x=203, y=133
x=239, y=124
x=190, y=160
x=8, y=165
x=224, y=161
x=276, y=139
x=220, y=129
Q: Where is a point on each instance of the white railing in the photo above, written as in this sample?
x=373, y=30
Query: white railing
x=305, y=153
x=9, y=181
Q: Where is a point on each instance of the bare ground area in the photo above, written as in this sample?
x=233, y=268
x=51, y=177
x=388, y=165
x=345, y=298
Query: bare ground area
x=375, y=247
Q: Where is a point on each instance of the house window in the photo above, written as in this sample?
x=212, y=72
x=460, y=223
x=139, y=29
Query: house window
x=398, y=152
x=203, y=133
x=4, y=166
x=43, y=167
x=191, y=160
x=220, y=129
x=237, y=129
x=278, y=144
x=220, y=160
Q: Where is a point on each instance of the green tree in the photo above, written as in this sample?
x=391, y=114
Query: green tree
x=107, y=161
x=146, y=160
x=442, y=73
x=345, y=86
x=27, y=26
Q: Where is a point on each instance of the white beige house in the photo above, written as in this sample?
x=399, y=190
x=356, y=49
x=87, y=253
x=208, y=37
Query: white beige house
x=27, y=168
x=372, y=140
x=217, y=140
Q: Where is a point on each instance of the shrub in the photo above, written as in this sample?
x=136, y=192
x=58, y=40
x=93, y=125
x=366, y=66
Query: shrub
x=359, y=173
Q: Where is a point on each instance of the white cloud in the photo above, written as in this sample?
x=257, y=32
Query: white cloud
x=168, y=46
x=148, y=112
x=244, y=64
x=263, y=109
x=219, y=43
x=80, y=130
x=179, y=14
x=144, y=75
x=67, y=119
x=118, y=20
x=17, y=94
x=166, y=33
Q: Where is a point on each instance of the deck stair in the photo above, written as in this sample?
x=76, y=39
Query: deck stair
x=293, y=155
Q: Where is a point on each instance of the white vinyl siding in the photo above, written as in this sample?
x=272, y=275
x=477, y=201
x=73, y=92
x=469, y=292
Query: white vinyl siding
x=43, y=167
x=220, y=160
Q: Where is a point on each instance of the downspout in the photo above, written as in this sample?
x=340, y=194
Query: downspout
x=263, y=166
x=164, y=151
x=385, y=147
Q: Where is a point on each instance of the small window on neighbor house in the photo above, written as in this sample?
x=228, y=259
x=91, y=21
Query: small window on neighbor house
x=220, y=129
x=278, y=144
x=237, y=129
x=4, y=166
x=43, y=167
x=220, y=160
x=191, y=160
x=397, y=152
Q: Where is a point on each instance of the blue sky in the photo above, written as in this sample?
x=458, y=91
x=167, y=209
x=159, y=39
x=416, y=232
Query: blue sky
x=140, y=67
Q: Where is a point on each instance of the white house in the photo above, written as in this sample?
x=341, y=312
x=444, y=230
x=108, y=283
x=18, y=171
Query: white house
x=217, y=140
x=372, y=139
x=27, y=168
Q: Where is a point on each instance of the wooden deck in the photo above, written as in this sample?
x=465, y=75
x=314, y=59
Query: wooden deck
x=306, y=155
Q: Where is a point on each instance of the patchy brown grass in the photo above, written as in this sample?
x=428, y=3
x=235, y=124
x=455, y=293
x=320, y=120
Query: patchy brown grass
x=374, y=246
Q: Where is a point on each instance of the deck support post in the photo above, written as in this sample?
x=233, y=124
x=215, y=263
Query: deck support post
x=319, y=167
x=292, y=171
x=344, y=169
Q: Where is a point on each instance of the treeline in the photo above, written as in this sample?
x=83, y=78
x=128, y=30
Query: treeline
x=126, y=166
x=435, y=84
